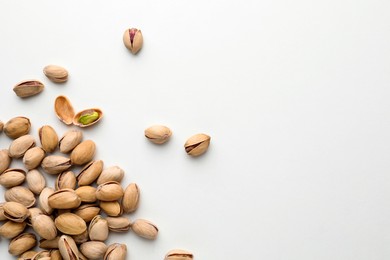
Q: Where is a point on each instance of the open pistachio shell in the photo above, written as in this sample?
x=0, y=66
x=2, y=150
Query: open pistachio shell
x=64, y=109
x=87, y=117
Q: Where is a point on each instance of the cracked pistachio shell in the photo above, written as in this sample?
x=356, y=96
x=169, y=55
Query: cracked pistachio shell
x=68, y=248
x=109, y=191
x=158, y=134
x=15, y=211
x=20, y=145
x=90, y=173
x=145, y=229
x=197, y=144
x=12, y=177
x=87, y=211
x=49, y=243
x=20, y=194
x=17, y=127
x=83, y=153
x=22, y=243
x=179, y=254
x=35, y=181
x=5, y=160
x=64, y=110
x=33, y=157
x=54, y=164
x=116, y=251
x=11, y=229
x=44, y=226
x=133, y=40
x=70, y=140
x=64, y=199
x=66, y=180
x=70, y=224
x=28, y=88
x=118, y=224
x=56, y=73
x=93, y=249
x=87, y=117
x=111, y=208
x=48, y=138
x=44, y=200
x=87, y=194
x=113, y=173
x=130, y=198
x=98, y=229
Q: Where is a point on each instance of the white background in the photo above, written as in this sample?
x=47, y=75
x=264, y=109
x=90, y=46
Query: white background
x=295, y=95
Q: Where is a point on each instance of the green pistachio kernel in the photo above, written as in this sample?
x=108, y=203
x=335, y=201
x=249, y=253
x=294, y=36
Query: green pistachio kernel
x=88, y=118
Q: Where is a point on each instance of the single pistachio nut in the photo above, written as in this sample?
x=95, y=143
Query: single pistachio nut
x=22, y=243
x=15, y=211
x=33, y=213
x=28, y=255
x=88, y=117
x=118, y=224
x=179, y=254
x=20, y=145
x=70, y=224
x=98, y=229
x=70, y=140
x=5, y=160
x=197, y=144
x=12, y=177
x=55, y=255
x=44, y=200
x=17, y=126
x=11, y=229
x=64, y=199
x=66, y=180
x=68, y=248
x=93, y=249
x=113, y=173
x=133, y=40
x=82, y=238
x=109, y=191
x=33, y=157
x=87, y=194
x=28, y=88
x=20, y=194
x=44, y=226
x=158, y=134
x=90, y=173
x=56, y=73
x=48, y=138
x=145, y=229
x=83, y=153
x=87, y=211
x=130, y=198
x=111, y=208
x=54, y=164
x=2, y=216
x=35, y=181
x=49, y=244
x=64, y=110
x=42, y=255
x=116, y=251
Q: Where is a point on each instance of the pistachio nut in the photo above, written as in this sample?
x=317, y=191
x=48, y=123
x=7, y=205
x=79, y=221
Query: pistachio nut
x=197, y=144
x=28, y=255
x=44, y=200
x=133, y=40
x=11, y=229
x=83, y=152
x=87, y=211
x=33, y=213
x=66, y=180
x=158, y=134
x=44, y=226
x=116, y=252
x=88, y=117
x=35, y=181
x=20, y=194
x=48, y=138
x=70, y=140
x=93, y=249
x=56, y=73
x=82, y=238
x=179, y=254
x=90, y=173
x=12, y=177
x=20, y=145
x=49, y=244
x=28, y=88
x=70, y=224
x=33, y=157
x=118, y=224
x=64, y=110
x=64, y=199
x=98, y=229
x=68, y=248
x=42, y=255
x=15, y=211
x=113, y=173
x=17, y=126
x=55, y=255
x=20, y=244
x=145, y=229
x=5, y=160
x=111, y=208
x=2, y=216
x=1, y=126
x=130, y=198
x=54, y=164
x=87, y=194
x=109, y=191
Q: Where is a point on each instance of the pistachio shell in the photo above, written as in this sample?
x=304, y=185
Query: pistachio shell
x=22, y=243
x=28, y=88
x=109, y=191
x=33, y=157
x=111, y=208
x=15, y=211
x=55, y=255
x=33, y=213
x=197, y=144
x=68, y=248
x=87, y=211
x=113, y=173
x=116, y=252
x=5, y=160
x=44, y=200
x=158, y=134
x=54, y=164
x=145, y=229
x=82, y=238
x=98, y=229
x=20, y=194
x=66, y=180
x=17, y=126
x=28, y=255
x=44, y=226
x=48, y=138
x=93, y=249
x=64, y=110
x=42, y=255
x=56, y=73
x=35, y=181
x=130, y=198
x=118, y=224
x=179, y=254
x=11, y=229
x=133, y=40
x=90, y=173
x=87, y=194
x=12, y=177
x=70, y=224
x=1, y=126
x=64, y=199
x=70, y=140
x=83, y=153
x=20, y=145
x=82, y=114
x=49, y=243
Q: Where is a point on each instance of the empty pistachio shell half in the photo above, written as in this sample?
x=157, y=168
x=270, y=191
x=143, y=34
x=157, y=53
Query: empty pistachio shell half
x=64, y=110
x=56, y=73
x=197, y=144
x=88, y=117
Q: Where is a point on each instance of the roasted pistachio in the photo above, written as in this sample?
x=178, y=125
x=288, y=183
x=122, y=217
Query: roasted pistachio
x=22, y=243
x=145, y=229
x=68, y=248
x=111, y=208
x=66, y=180
x=113, y=173
x=48, y=138
x=197, y=144
x=158, y=134
x=87, y=194
x=116, y=252
x=93, y=249
x=179, y=254
x=54, y=164
x=88, y=117
x=109, y=191
x=49, y=244
x=12, y=177
x=20, y=145
x=28, y=88
x=81, y=238
x=35, y=181
x=44, y=200
x=133, y=40
x=98, y=229
x=56, y=73
x=90, y=173
x=11, y=229
x=87, y=211
x=130, y=198
x=17, y=126
x=70, y=140
x=33, y=157
x=83, y=153
x=5, y=160
x=15, y=211
x=70, y=224
x=20, y=194
x=44, y=226
x=64, y=199
x=118, y=224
